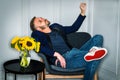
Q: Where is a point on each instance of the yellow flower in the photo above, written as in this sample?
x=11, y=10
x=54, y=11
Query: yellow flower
x=21, y=43
x=25, y=43
x=14, y=40
x=37, y=47
x=29, y=43
x=17, y=47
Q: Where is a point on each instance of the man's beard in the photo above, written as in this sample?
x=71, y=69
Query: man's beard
x=42, y=27
x=46, y=25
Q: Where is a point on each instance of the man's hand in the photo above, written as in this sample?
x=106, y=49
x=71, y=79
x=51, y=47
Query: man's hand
x=83, y=8
x=61, y=59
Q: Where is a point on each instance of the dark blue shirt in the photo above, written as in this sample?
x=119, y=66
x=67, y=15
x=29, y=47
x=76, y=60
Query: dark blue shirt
x=58, y=43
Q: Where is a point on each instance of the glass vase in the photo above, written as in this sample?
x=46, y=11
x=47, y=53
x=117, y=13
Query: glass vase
x=25, y=58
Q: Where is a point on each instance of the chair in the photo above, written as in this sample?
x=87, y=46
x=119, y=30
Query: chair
x=76, y=39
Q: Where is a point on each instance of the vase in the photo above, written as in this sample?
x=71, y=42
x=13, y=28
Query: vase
x=25, y=59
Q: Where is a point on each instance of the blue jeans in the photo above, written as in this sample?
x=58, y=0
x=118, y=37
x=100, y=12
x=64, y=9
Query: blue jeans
x=75, y=57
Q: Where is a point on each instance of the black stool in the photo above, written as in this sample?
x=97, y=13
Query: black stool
x=13, y=66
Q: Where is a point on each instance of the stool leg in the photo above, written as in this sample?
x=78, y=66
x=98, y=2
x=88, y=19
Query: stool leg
x=5, y=75
x=15, y=76
x=35, y=76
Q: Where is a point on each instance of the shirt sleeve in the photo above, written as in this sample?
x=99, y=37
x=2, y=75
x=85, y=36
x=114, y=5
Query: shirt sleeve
x=44, y=47
x=75, y=26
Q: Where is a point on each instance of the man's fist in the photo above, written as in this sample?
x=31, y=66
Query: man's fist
x=83, y=8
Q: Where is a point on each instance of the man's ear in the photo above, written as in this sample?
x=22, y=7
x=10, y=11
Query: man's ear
x=48, y=23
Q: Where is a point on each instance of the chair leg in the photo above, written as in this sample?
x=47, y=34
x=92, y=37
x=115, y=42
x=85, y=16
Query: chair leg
x=40, y=76
x=43, y=75
x=96, y=76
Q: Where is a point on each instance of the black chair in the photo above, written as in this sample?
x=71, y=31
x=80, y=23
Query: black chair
x=76, y=40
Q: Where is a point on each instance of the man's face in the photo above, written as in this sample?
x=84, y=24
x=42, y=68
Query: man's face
x=41, y=23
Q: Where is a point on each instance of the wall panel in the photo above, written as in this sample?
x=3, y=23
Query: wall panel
x=106, y=22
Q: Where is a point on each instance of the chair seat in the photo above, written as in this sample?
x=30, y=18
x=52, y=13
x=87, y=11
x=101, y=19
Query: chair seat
x=62, y=71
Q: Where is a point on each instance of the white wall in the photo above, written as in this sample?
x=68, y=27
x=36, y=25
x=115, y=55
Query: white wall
x=13, y=21
x=118, y=68
x=10, y=24
x=102, y=18
x=64, y=12
x=106, y=22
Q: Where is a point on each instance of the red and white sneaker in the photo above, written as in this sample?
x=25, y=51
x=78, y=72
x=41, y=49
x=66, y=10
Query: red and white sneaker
x=95, y=53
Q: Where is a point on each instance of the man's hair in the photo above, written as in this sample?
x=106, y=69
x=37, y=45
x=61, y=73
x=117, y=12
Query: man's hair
x=32, y=26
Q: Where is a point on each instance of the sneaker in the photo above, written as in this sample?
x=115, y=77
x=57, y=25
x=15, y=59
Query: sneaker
x=95, y=53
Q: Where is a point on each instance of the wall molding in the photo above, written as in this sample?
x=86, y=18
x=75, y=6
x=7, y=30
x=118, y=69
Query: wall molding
x=118, y=39
x=90, y=16
x=25, y=15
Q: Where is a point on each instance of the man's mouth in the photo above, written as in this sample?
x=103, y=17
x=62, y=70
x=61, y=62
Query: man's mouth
x=42, y=27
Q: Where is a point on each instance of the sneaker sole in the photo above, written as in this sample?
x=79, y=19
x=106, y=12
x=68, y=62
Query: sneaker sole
x=99, y=54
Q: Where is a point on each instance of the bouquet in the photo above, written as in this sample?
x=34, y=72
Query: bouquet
x=24, y=45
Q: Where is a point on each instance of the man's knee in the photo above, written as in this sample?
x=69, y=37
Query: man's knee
x=98, y=40
x=98, y=37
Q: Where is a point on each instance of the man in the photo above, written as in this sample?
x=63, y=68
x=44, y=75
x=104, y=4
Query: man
x=56, y=48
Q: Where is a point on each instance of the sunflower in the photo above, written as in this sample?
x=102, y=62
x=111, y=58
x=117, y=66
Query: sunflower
x=25, y=43
x=29, y=43
x=17, y=47
x=37, y=47
x=21, y=43
x=15, y=39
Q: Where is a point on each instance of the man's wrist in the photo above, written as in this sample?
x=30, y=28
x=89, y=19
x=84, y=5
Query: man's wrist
x=83, y=14
x=56, y=54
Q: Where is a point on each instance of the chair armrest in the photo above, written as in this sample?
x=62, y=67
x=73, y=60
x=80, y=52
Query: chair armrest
x=47, y=65
x=58, y=70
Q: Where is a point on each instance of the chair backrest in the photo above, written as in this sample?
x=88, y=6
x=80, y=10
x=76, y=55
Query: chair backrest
x=77, y=39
